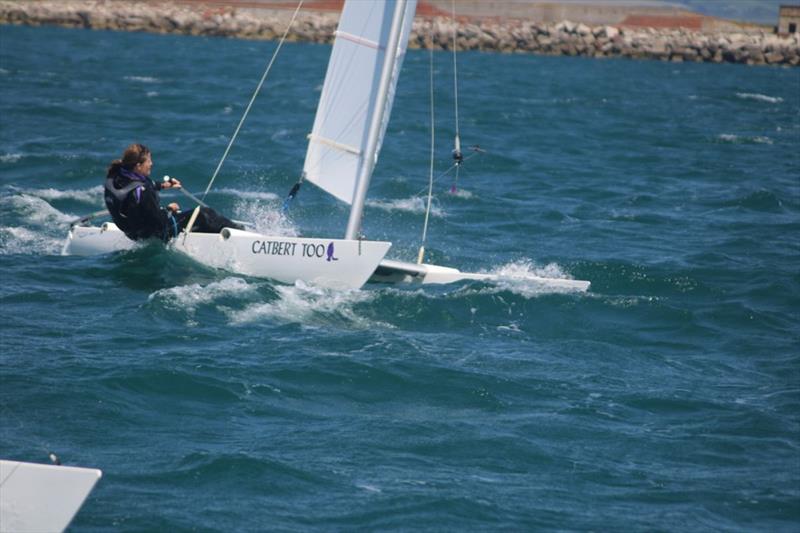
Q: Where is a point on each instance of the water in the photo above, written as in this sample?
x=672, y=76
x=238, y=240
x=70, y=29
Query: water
x=666, y=398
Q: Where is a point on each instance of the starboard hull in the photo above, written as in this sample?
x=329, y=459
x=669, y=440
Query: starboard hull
x=391, y=271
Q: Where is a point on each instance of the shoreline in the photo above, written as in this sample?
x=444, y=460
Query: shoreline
x=488, y=35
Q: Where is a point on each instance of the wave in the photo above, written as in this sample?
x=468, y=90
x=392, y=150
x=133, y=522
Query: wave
x=10, y=158
x=142, y=79
x=34, y=209
x=760, y=200
x=760, y=97
x=19, y=240
x=743, y=139
x=188, y=298
x=93, y=195
x=310, y=305
x=415, y=205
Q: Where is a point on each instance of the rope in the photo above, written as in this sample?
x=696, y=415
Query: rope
x=252, y=99
x=448, y=171
x=421, y=254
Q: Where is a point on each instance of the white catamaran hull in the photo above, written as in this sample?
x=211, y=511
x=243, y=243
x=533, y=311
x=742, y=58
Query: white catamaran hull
x=391, y=271
x=36, y=497
x=335, y=263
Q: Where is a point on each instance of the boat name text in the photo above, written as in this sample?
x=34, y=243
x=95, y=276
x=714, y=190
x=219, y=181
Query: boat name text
x=288, y=248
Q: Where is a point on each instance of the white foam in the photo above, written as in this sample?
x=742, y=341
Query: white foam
x=280, y=134
x=142, y=79
x=152, y=94
x=35, y=209
x=18, y=240
x=523, y=277
x=10, y=158
x=525, y=269
x=760, y=97
x=414, y=204
x=248, y=195
x=267, y=219
x=738, y=139
x=93, y=195
x=460, y=193
x=368, y=487
x=307, y=304
x=189, y=297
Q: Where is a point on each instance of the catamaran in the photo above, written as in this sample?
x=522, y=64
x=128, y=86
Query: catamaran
x=351, y=120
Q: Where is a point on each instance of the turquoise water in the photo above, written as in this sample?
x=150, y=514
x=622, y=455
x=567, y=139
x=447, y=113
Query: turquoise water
x=666, y=398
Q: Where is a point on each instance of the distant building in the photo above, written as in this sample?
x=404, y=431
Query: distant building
x=789, y=19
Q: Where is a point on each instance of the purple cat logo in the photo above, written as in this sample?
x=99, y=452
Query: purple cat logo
x=330, y=253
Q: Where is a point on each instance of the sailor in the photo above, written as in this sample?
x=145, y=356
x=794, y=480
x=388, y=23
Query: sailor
x=133, y=202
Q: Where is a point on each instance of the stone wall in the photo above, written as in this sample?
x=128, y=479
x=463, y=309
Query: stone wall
x=564, y=38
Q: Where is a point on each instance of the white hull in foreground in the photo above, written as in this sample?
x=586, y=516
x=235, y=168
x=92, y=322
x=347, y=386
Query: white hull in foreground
x=335, y=263
x=37, y=497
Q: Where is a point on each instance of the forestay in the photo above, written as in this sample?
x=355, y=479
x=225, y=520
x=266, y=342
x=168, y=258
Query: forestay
x=349, y=99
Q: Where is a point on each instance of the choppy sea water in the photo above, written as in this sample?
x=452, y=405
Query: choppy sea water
x=666, y=398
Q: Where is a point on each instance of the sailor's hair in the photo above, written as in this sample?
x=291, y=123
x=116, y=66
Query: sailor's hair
x=133, y=155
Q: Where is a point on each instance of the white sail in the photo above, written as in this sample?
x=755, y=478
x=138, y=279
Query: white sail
x=349, y=99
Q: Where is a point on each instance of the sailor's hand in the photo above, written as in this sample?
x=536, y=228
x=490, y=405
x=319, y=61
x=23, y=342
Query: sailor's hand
x=170, y=183
x=173, y=207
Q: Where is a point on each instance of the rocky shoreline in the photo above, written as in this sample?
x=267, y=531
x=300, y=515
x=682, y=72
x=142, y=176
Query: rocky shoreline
x=564, y=38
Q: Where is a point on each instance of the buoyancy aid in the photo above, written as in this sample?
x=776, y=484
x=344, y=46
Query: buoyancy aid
x=115, y=200
x=135, y=207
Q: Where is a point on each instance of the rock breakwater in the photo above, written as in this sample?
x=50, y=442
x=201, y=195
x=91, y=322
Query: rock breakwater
x=510, y=35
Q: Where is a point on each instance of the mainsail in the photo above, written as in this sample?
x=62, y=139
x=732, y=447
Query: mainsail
x=350, y=96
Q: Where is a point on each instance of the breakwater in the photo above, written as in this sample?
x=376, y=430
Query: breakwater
x=494, y=35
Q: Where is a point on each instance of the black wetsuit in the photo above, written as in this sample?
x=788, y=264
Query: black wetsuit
x=134, y=205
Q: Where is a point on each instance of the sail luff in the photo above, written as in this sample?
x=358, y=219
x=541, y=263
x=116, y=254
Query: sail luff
x=377, y=123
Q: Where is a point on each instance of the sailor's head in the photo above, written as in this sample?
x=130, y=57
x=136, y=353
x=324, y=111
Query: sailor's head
x=137, y=158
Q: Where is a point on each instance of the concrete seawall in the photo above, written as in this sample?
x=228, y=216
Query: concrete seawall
x=491, y=35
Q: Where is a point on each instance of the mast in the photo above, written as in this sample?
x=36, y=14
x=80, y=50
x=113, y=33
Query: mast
x=368, y=162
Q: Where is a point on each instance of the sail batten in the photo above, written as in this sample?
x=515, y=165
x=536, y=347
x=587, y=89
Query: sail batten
x=349, y=100
x=359, y=40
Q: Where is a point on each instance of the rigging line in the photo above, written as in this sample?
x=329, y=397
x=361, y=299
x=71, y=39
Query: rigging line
x=421, y=255
x=446, y=172
x=252, y=99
